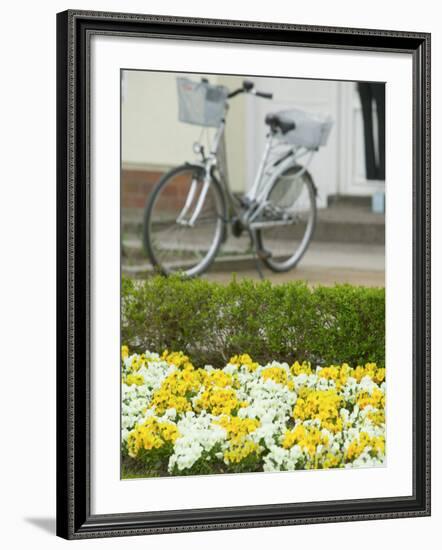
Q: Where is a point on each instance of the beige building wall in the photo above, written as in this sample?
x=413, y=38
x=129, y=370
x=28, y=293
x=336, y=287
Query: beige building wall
x=154, y=139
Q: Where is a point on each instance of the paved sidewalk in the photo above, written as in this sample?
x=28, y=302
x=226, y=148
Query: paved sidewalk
x=323, y=263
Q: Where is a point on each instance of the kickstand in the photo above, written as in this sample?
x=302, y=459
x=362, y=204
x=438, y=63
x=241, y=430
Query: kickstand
x=255, y=254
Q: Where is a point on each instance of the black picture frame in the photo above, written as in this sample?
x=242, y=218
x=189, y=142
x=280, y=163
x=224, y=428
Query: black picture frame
x=74, y=518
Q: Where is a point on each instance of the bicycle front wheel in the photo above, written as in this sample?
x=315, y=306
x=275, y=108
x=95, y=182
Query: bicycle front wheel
x=287, y=222
x=184, y=222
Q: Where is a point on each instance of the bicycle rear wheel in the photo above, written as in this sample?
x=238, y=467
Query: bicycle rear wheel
x=172, y=242
x=287, y=222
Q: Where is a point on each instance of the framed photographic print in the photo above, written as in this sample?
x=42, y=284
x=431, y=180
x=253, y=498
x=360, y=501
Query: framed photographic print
x=243, y=274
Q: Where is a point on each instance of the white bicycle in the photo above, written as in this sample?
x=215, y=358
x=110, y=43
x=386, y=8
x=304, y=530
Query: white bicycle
x=191, y=208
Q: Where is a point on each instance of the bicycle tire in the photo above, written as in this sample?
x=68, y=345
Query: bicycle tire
x=148, y=243
x=270, y=260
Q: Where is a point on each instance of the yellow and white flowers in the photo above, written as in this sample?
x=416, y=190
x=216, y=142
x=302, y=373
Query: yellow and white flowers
x=178, y=419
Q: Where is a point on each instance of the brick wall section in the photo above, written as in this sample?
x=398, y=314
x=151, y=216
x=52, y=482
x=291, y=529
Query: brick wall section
x=136, y=186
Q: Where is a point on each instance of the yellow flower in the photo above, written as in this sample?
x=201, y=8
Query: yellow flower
x=217, y=401
x=277, y=374
x=124, y=352
x=378, y=444
x=320, y=405
x=329, y=373
x=135, y=363
x=377, y=417
x=177, y=390
x=238, y=452
x=379, y=377
x=245, y=360
x=344, y=372
x=370, y=370
x=152, y=434
x=238, y=428
x=136, y=379
x=359, y=445
x=304, y=368
x=376, y=399
x=331, y=461
x=307, y=438
x=218, y=379
x=177, y=358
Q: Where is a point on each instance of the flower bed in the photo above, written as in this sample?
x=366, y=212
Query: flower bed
x=179, y=420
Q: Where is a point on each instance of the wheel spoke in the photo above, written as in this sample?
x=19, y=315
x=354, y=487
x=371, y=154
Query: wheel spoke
x=291, y=199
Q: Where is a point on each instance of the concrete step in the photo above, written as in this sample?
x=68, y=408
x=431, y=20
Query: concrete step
x=349, y=200
x=342, y=222
x=133, y=251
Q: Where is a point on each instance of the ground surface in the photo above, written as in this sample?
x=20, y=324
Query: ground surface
x=323, y=263
x=347, y=247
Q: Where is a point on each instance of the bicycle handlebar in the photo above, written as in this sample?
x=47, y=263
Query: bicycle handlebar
x=247, y=87
x=235, y=92
x=265, y=95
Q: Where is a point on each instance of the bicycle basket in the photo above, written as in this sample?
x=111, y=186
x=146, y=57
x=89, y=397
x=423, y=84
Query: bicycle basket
x=311, y=130
x=288, y=190
x=201, y=103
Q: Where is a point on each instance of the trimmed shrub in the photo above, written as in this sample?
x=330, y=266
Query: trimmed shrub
x=212, y=322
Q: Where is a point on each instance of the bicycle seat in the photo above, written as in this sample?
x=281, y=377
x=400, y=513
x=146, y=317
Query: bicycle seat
x=277, y=121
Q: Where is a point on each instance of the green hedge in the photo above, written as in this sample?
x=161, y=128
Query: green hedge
x=211, y=322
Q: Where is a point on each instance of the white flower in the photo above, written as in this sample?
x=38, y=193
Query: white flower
x=268, y=402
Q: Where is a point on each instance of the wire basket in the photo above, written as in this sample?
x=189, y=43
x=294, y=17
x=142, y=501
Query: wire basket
x=201, y=103
x=311, y=130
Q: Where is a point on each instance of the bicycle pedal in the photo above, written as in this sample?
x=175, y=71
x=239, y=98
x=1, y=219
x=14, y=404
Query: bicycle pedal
x=263, y=254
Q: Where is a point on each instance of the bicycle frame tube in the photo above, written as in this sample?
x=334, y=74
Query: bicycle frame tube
x=209, y=162
x=217, y=138
x=200, y=201
x=189, y=199
x=252, y=193
x=214, y=160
